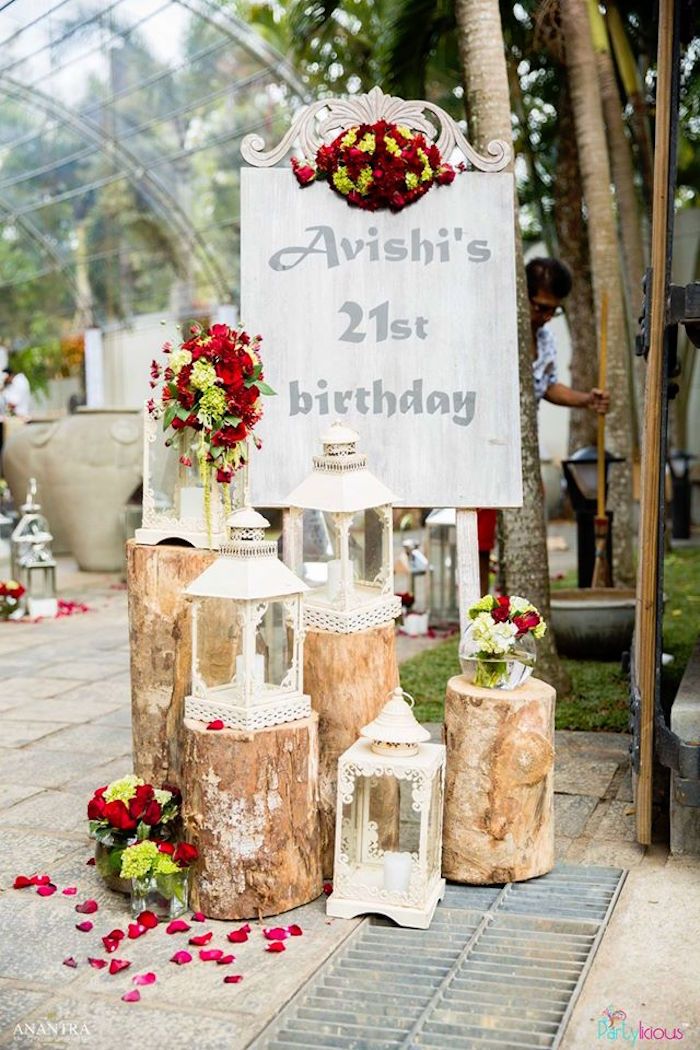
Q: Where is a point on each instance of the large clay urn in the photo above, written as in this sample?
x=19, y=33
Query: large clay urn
x=25, y=456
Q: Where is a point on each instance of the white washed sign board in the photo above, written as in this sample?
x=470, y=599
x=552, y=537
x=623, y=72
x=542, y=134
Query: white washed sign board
x=401, y=325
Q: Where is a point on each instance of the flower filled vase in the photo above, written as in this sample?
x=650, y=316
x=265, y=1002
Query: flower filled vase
x=497, y=649
x=166, y=896
x=490, y=671
x=108, y=862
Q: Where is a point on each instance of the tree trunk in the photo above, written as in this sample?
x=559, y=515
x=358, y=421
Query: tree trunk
x=573, y=250
x=482, y=55
x=605, y=265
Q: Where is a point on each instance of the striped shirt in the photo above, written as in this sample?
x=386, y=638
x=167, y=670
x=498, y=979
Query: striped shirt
x=544, y=367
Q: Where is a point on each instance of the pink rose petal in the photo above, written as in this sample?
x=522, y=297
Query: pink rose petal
x=177, y=926
x=117, y=965
x=275, y=946
x=294, y=930
x=131, y=997
x=148, y=919
x=116, y=935
x=144, y=978
x=41, y=880
x=87, y=907
x=84, y=926
x=277, y=933
x=201, y=939
x=98, y=964
x=216, y=724
x=328, y=888
x=225, y=960
x=238, y=936
x=70, y=891
x=199, y=916
x=181, y=958
x=135, y=930
x=70, y=961
x=233, y=978
x=110, y=944
x=46, y=891
x=210, y=954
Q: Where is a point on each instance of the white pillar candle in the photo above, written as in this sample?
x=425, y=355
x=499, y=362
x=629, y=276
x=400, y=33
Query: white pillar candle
x=334, y=577
x=397, y=872
x=258, y=668
x=192, y=502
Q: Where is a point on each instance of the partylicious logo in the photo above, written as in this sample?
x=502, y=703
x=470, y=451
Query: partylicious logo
x=614, y=1024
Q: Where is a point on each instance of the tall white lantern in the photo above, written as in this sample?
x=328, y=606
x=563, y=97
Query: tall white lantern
x=338, y=538
x=31, y=559
x=247, y=633
x=404, y=881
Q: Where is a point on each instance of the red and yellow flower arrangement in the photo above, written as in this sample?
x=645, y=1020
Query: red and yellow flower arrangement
x=378, y=165
x=10, y=593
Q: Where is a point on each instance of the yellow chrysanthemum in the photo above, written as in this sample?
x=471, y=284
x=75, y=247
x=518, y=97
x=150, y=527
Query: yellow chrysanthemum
x=203, y=375
x=406, y=132
x=411, y=180
x=364, y=179
x=123, y=789
x=368, y=143
x=342, y=181
x=350, y=139
x=392, y=146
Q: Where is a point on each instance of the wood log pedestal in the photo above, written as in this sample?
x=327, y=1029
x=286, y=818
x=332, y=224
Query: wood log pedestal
x=349, y=678
x=499, y=792
x=161, y=653
x=250, y=805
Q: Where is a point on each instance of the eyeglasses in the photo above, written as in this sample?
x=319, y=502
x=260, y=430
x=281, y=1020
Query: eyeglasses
x=546, y=309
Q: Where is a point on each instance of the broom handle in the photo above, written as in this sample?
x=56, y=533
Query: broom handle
x=602, y=376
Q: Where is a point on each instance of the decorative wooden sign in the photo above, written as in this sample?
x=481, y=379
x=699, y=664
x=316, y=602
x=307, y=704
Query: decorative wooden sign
x=402, y=325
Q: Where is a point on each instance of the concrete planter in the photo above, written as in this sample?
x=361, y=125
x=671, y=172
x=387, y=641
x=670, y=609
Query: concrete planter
x=593, y=624
x=25, y=456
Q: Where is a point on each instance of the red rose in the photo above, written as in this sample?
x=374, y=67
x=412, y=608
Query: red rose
x=220, y=330
x=152, y=813
x=118, y=816
x=501, y=611
x=166, y=847
x=224, y=476
x=178, y=424
x=526, y=622
x=144, y=794
x=96, y=808
x=231, y=374
x=304, y=173
x=185, y=854
x=445, y=175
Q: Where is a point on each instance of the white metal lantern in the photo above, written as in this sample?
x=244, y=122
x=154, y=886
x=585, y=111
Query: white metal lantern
x=247, y=633
x=173, y=496
x=338, y=538
x=388, y=846
x=31, y=559
x=442, y=553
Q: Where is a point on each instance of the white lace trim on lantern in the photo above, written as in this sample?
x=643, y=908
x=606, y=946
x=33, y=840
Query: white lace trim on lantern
x=259, y=716
x=379, y=613
x=334, y=463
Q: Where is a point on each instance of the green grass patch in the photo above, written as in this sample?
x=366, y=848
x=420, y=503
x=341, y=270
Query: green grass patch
x=599, y=695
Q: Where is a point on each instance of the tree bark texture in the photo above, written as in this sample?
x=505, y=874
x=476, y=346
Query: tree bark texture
x=349, y=678
x=573, y=250
x=605, y=265
x=499, y=791
x=482, y=55
x=250, y=805
x=161, y=653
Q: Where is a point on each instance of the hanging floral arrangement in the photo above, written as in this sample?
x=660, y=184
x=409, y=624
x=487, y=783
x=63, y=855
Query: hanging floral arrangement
x=379, y=165
x=211, y=400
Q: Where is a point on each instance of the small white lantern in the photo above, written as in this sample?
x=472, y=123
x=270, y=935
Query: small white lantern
x=31, y=559
x=338, y=538
x=247, y=633
x=174, y=506
x=404, y=882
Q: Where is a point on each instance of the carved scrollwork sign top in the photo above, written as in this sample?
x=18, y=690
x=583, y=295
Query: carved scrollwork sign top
x=319, y=123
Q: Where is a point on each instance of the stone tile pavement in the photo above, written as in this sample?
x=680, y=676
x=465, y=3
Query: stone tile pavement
x=64, y=729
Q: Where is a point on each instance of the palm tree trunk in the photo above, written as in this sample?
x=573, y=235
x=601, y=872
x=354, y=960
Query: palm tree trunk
x=605, y=266
x=482, y=55
x=573, y=250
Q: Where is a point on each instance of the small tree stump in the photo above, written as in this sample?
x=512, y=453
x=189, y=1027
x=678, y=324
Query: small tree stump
x=499, y=792
x=161, y=653
x=349, y=678
x=250, y=805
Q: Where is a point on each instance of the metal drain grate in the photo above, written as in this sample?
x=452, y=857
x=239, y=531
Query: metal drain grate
x=499, y=967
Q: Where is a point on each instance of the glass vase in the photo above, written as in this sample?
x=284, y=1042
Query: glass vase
x=490, y=671
x=165, y=895
x=108, y=862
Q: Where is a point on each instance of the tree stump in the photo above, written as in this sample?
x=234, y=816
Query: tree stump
x=250, y=805
x=349, y=678
x=499, y=792
x=161, y=653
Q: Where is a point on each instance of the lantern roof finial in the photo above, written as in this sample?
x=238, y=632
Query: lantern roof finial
x=396, y=729
x=340, y=480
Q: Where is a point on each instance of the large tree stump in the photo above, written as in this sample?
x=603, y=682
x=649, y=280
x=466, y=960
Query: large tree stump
x=250, y=805
x=161, y=653
x=499, y=794
x=349, y=678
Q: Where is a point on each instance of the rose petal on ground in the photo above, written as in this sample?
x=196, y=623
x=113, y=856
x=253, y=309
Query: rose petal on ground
x=117, y=965
x=181, y=957
x=110, y=944
x=41, y=880
x=199, y=916
x=233, y=978
x=275, y=946
x=148, y=919
x=210, y=954
x=84, y=926
x=201, y=939
x=225, y=960
x=216, y=724
x=116, y=935
x=294, y=930
x=277, y=933
x=237, y=937
x=90, y=862
x=177, y=926
x=70, y=891
x=98, y=964
x=131, y=997
x=22, y=881
x=328, y=888
x=70, y=961
x=144, y=978
x=135, y=930
x=87, y=907
x=46, y=891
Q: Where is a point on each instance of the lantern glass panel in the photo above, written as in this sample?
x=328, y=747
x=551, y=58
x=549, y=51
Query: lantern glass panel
x=273, y=642
x=381, y=833
x=366, y=546
x=177, y=489
x=443, y=579
x=218, y=647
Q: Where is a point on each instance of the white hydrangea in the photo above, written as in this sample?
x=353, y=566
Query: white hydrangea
x=519, y=605
x=492, y=637
x=162, y=797
x=178, y=360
